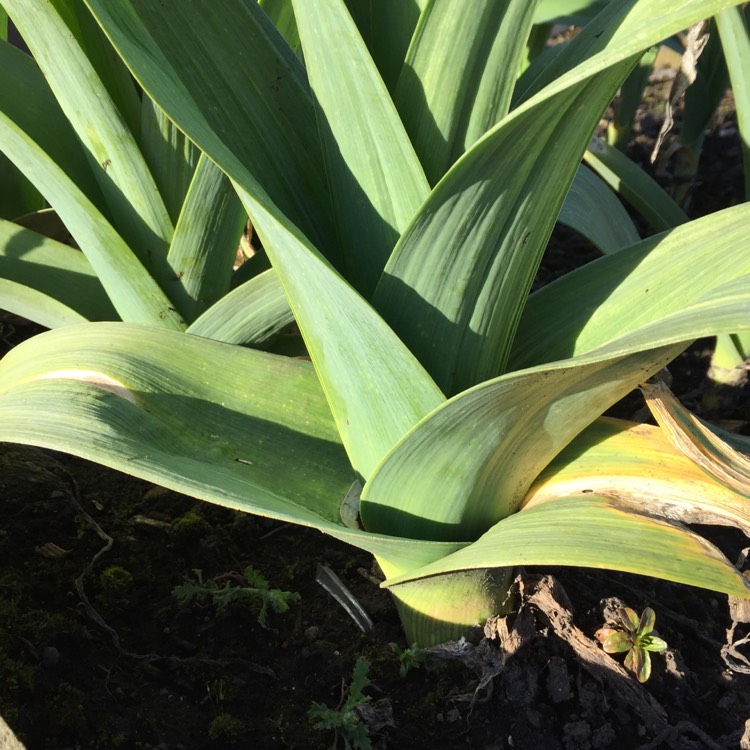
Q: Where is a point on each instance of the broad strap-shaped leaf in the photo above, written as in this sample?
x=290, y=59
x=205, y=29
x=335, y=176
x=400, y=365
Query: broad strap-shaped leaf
x=734, y=29
x=227, y=61
x=205, y=241
x=576, y=12
x=592, y=210
x=233, y=426
x=376, y=181
x=591, y=531
x=455, y=285
x=715, y=454
x=485, y=447
x=374, y=385
x=646, y=294
x=110, y=69
x=387, y=28
x=133, y=292
x=250, y=314
x=30, y=303
x=459, y=75
x=122, y=173
x=26, y=98
x=376, y=388
x=281, y=14
x=639, y=468
x=169, y=154
x=53, y=269
x=639, y=189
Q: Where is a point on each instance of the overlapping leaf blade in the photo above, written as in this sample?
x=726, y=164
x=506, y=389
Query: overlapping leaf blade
x=484, y=447
x=123, y=176
x=387, y=28
x=465, y=265
x=53, y=269
x=591, y=531
x=651, y=286
x=240, y=78
x=376, y=389
x=133, y=292
x=249, y=314
x=592, y=209
x=376, y=181
x=450, y=94
x=638, y=467
x=122, y=395
x=205, y=241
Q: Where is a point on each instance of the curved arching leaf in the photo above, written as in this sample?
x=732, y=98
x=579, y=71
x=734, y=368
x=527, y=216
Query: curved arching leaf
x=233, y=426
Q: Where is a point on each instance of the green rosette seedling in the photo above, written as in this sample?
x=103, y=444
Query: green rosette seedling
x=635, y=635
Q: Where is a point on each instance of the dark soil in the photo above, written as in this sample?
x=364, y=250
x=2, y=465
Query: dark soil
x=97, y=652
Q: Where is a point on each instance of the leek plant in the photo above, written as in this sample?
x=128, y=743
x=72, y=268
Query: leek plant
x=403, y=179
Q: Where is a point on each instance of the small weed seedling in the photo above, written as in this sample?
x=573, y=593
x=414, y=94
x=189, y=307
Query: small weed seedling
x=411, y=657
x=633, y=634
x=231, y=587
x=345, y=720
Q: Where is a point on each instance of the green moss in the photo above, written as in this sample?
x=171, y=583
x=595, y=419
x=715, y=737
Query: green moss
x=115, y=580
x=226, y=728
x=190, y=528
x=66, y=708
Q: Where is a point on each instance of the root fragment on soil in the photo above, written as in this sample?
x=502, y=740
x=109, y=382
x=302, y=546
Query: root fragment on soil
x=739, y=611
x=547, y=596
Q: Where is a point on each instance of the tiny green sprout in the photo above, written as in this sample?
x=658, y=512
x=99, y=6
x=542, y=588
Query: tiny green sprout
x=411, y=657
x=633, y=634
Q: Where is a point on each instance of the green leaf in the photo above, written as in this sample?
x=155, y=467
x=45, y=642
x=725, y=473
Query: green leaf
x=27, y=100
x=122, y=173
x=195, y=57
x=617, y=642
x=205, y=240
x=376, y=389
x=170, y=155
x=17, y=195
x=133, y=292
x=387, y=28
x=639, y=189
x=484, y=447
x=591, y=531
x=250, y=314
x=449, y=94
x=592, y=209
x=58, y=271
x=281, y=14
x=45, y=309
x=576, y=12
x=376, y=181
x=261, y=438
x=103, y=59
x=652, y=643
x=457, y=280
x=734, y=32
x=665, y=289
x=647, y=622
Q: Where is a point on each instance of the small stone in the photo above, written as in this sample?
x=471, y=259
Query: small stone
x=558, y=680
x=50, y=656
